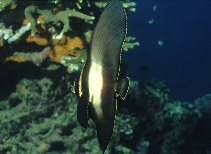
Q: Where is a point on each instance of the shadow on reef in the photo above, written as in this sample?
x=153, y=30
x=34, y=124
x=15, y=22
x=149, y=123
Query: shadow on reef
x=168, y=126
x=12, y=73
x=199, y=140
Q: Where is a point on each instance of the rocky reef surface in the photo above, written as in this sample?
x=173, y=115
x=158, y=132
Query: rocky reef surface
x=38, y=115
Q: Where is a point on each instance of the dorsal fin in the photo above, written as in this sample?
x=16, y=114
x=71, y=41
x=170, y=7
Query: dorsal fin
x=123, y=87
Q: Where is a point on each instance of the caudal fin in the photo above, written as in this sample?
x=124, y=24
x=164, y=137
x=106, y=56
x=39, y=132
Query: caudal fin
x=104, y=124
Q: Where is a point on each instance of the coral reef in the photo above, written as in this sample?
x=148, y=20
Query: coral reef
x=39, y=40
x=129, y=6
x=168, y=126
x=48, y=16
x=5, y=3
x=8, y=35
x=63, y=26
x=40, y=117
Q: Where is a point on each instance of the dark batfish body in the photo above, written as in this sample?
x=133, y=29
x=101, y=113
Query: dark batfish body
x=98, y=83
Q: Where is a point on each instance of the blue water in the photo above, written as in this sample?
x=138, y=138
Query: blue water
x=184, y=59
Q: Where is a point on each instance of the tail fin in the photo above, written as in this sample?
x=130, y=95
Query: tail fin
x=104, y=124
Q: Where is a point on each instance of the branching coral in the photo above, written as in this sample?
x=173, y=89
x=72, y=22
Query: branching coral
x=129, y=6
x=74, y=63
x=8, y=34
x=5, y=3
x=130, y=43
x=48, y=28
x=49, y=17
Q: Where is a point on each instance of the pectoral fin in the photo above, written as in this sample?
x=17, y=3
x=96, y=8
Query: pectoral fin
x=123, y=87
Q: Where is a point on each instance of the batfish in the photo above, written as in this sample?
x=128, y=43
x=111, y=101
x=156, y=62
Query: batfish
x=98, y=86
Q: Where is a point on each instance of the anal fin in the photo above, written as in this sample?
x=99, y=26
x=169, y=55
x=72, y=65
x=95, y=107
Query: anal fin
x=82, y=111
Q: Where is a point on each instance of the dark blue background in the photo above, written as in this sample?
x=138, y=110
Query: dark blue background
x=184, y=60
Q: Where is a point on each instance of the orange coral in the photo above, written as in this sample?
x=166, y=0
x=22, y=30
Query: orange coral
x=35, y=57
x=75, y=42
x=65, y=46
x=62, y=41
x=38, y=40
x=25, y=22
x=40, y=19
x=15, y=59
